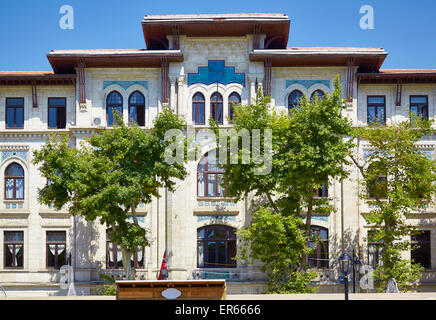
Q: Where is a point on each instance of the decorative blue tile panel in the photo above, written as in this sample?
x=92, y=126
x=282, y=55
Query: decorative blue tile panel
x=140, y=218
x=216, y=275
x=215, y=218
x=366, y=154
x=20, y=154
x=215, y=72
x=428, y=153
x=321, y=218
x=307, y=83
x=125, y=84
x=318, y=217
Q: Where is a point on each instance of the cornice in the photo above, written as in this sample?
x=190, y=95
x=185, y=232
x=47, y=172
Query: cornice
x=367, y=146
x=30, y=133
x=14, y=148
x=55, y=214
x=14, y=213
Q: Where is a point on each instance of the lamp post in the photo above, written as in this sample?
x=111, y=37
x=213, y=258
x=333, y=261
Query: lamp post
x=345, y=262
x=357, y=262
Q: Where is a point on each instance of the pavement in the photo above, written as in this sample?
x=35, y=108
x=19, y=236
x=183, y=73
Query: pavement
x=318, y=296
x=336, y=296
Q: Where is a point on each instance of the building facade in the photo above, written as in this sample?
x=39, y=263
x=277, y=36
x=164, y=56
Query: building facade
x=197, y=65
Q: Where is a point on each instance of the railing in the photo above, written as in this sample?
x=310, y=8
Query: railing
x=428, y=277
x=229, y=275
x=3, y=290
x=325, y=276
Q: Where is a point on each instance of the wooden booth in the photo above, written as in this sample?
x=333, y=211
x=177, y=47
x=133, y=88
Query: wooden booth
x=171, y=289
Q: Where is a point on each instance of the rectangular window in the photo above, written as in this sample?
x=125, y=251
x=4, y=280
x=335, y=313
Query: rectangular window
x=376, y=110
x=211, y=180
x=419, y=106
x=319, y=258
x=56, y=249
x=322, y=192
x=378, y=188
x=421, y=252
x=13, y=249
x=221, y=186
x=114, y=257
x=201, y=185
x=14, y=113
x=375, y=250
x=57, y=113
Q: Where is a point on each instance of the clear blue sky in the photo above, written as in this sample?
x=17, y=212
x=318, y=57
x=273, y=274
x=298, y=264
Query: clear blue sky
x=29, y=29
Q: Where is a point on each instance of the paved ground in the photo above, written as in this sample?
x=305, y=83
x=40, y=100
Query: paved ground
x=320, y=296
x=337, y=296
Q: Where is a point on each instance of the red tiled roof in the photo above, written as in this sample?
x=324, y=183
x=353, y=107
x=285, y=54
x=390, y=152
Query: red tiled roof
x=214, y=16
x=26, y=73
x=35, y=78
x=333, y=48
x=407, y=71
x=156, y=28
x=96, y=50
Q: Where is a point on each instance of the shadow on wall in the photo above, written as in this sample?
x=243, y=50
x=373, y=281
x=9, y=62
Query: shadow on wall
x=337, y=246
x=351, y=241
x=85, y=243
x=252, y=207
x=81, y=255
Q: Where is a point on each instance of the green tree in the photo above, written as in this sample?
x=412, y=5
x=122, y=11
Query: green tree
x=307, y=149
x=398, y=179
x=278, y=241
x=109, y=175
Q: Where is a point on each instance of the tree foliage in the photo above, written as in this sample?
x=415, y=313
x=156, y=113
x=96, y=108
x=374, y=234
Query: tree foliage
x=307, y=150
x=398, y=181
x=278, y=242
x=109, y=175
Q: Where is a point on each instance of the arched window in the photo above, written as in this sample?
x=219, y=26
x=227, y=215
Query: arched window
x=114, y=255
x=216, y=247
x=114, y=102
x=216, y=107
x=294, y=99
x=210, y=177
x=198, y=108
x=320, y=243
x=234, y=99
x=317, y=93
x=14, y=182
x=137, y=108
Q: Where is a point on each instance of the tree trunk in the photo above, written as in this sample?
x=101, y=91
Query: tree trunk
x=127, y=256
x=304, y=261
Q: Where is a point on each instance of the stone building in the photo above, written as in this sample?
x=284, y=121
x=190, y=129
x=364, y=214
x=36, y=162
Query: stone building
x=198, y=65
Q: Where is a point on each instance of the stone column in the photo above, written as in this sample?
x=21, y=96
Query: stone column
x=173, y=102
x=252, y=90
x=254, y=78
x=181, y=109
